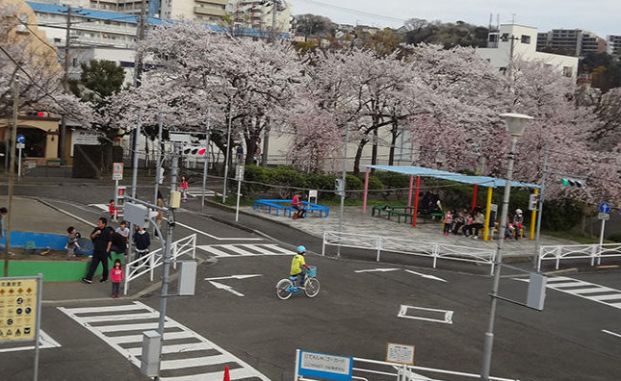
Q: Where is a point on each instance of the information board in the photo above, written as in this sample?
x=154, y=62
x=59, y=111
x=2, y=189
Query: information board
x=400, y=353
x=325, y=367
x=117, y=171
x=18, y=309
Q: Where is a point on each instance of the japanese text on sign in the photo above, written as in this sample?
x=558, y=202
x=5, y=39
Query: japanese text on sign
x=400, y=353
x=18, y=309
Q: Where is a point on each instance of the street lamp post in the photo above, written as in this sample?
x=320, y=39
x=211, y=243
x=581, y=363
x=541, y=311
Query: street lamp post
x=228, y=151
x=516, y=124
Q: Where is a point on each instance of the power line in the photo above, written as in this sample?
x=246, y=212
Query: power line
x=354, y=11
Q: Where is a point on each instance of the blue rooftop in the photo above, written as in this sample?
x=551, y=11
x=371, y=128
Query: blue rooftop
x=484, y=181
x=131, y=19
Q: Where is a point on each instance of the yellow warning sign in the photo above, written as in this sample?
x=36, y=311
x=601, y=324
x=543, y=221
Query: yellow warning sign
x=18, y=309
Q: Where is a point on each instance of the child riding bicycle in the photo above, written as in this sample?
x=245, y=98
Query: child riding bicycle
x=298, y=265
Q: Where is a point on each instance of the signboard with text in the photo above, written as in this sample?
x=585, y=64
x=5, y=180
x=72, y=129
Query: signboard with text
x=18, y=309
x=325, y=367
x=117, y=171
x=400, y=353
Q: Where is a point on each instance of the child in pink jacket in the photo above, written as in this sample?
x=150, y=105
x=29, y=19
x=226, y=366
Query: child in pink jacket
x=116, y=277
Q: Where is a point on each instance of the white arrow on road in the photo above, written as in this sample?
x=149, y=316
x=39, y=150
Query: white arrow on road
x=226, y=288
x=242, y=276
x=425, y=275
x=375, y=270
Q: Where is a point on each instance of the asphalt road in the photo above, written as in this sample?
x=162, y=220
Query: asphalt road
x=355, y=314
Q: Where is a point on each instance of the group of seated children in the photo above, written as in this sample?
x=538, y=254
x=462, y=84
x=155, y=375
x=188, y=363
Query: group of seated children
x=471, y=223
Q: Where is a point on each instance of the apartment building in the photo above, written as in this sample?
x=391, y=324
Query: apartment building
x=614, y=45
x=570, y=42
x=521, y=41
x=260, y=14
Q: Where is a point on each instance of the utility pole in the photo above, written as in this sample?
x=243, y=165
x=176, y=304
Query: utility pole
x=266, y=133
x=542, y=193
x=138, y=74
x=9, y=214
x=63, y=121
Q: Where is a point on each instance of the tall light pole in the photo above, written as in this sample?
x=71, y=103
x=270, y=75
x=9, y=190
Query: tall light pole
x=206, y=162
x=343, y=187
x=516, y=124
x=9, y=215
x=228, y=151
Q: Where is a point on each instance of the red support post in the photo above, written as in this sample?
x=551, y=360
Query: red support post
x=415, y=211
x=474, y=197
x=366, y=190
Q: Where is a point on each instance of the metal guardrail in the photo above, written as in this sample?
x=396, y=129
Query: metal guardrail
x=434, y=250
x=371, y=370
x=592, y=252
x=147, y=264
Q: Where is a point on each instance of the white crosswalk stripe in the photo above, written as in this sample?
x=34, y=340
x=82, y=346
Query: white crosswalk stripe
x=601, y=294
x=45, y=341
x=244, y=250
x=198, y=192
x=186, y=356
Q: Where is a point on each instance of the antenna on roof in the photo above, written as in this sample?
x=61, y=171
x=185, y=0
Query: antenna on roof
x=491, y=17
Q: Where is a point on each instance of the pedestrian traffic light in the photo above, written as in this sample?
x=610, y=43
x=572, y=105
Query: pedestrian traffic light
x=567, y=182
x=533, y=201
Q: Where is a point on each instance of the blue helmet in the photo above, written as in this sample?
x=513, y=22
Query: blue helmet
x=300, y=249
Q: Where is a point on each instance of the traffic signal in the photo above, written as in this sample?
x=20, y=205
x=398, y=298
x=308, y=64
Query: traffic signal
x=194, y=151
x=567, y=182
x=533, y=202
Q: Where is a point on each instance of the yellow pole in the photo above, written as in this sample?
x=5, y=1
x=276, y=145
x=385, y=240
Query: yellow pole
x=488, y=213
x=533, y=217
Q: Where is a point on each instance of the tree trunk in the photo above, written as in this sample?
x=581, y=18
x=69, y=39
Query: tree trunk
x=374, y=150
x=359, y=150
x=393, y=141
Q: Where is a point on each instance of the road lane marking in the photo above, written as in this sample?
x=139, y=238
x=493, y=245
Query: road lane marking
x=225, y=287
x=447, y=315
x=425, y=275
x=583, y=290
x=180, y=361
x=611, y=333
x=244, y=276
x=376, y=270
x=45, y=342
x=243, y=250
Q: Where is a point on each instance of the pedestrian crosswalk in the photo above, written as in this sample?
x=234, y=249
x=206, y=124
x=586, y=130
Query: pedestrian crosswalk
x=198, y=192
x=186, y=356
x=601, y=294
x=244, y=250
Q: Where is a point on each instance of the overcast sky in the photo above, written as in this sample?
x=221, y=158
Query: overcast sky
x=600, y=16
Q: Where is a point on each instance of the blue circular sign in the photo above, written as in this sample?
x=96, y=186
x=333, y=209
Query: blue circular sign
x=21, y=139
x=604, y=208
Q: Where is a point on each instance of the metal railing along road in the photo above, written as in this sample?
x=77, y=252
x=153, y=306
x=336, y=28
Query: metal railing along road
x=371, y=370
x=434, y=250
x=592, y=252
x=147, y=264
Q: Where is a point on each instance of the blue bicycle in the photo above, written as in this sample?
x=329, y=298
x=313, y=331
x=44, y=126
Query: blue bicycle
x=287, y=286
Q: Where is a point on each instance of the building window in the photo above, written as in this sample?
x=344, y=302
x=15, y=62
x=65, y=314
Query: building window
x=568, y=71
x=525, y=39
x=74, y=62
x=57, y=40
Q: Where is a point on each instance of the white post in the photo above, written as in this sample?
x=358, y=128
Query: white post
x=19, y=163
x=116, y=199
x=152, y=264
x=379, y=248
x=601, y=242
x=194, y=246
x=226, y=156
x=238, y=197
x=323, y=244
x=206, y=161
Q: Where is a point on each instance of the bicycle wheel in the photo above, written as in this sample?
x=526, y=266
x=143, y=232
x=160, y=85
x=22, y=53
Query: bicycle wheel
x=282, y=289
x=311, y=287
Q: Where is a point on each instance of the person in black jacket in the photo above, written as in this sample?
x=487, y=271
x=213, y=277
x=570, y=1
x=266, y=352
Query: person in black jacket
x=101, y=237
x=142, y=241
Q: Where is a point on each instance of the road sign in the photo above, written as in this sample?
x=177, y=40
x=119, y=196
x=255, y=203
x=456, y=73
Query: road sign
x=604, y=208
x=117, y=171
x=20, y=146
x=603, y=216
x=321, y=366
x=18, y=309
x=400, y=353
x=239, y=174
x=21, y=139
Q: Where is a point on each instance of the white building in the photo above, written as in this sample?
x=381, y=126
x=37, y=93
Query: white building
x=260, y=14
x=524, y=42
x=614, y=45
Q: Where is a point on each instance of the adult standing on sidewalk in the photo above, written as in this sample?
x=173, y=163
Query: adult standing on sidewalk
x=142, y=241
x=101, y=237
x=3, y=212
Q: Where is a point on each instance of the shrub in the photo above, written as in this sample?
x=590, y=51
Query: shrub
x=375, y=183
x=561, y=214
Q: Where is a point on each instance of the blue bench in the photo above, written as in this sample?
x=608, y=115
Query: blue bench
x=278, y=205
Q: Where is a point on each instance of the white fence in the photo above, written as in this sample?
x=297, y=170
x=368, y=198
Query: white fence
x=592, y=252
x=148, y=263
x=434, y=250
x=371, y=370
